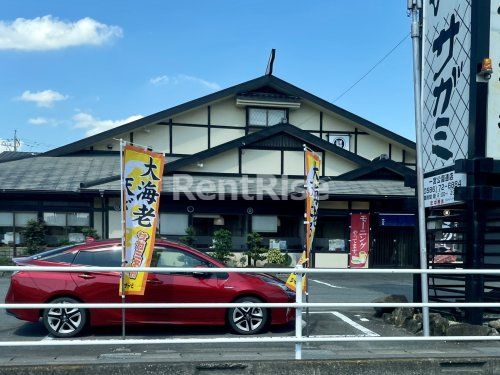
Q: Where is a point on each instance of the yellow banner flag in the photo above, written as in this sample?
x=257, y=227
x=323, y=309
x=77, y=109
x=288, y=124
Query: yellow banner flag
x=142, y=181
x=312, y=168
x=291, y=282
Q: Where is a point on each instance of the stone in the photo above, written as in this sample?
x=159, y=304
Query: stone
x=494, y=324
x=438, y=325
x=465, y=329
x=401, y=315
x=413, y=326
x=380, y=311
x=493, y=332
x=388, y=318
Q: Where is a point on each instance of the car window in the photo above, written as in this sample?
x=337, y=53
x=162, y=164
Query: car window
x=52, y=252
x=169, y=257
x=62, y=258
x=105, y=257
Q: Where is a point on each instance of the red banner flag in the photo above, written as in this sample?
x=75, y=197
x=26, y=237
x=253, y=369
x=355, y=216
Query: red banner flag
x=360, y=240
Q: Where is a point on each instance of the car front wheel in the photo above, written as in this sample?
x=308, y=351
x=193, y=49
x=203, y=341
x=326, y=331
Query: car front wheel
x=247, y=320
x=64, y=321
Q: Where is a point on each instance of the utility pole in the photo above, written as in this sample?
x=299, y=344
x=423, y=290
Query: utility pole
x=414, y=6
x=15, y=140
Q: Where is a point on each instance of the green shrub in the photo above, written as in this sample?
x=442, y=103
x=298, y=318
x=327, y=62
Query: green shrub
x=275, y=256
x=90, y=232
x=189, y=239
x=34, y=236
x=255, y=251
x=222, y=245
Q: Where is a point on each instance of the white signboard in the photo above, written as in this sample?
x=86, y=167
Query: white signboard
x=445, y=82
x=340, y=140
x=439, y=190
x=493, y=129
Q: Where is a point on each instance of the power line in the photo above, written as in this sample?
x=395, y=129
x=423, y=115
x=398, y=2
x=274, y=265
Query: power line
x=373, y=67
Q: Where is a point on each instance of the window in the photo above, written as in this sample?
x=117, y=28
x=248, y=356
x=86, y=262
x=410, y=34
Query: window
x=173, y=224
x=66, y=257
x=266, y=117
x=108, y=257
x=265, y=223
x=168, y=257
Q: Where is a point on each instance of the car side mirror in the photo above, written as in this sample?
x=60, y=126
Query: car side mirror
x=201, y=273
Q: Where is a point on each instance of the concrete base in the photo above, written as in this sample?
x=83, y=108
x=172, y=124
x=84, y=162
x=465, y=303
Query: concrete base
x=428, y=366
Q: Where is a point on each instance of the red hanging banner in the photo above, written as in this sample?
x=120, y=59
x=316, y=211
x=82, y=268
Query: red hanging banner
x=360, y=240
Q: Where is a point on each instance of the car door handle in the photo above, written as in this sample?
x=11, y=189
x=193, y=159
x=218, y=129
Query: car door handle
x=154, y=281
x=86, y=276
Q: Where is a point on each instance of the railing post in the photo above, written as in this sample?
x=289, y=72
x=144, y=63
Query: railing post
x=298, y=313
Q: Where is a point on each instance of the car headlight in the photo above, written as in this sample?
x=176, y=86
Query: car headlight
x=280, y=285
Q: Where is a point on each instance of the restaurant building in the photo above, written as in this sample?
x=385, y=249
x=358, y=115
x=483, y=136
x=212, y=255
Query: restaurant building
x=234, y=159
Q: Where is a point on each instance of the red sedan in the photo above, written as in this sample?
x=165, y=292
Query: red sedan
x=102, y=287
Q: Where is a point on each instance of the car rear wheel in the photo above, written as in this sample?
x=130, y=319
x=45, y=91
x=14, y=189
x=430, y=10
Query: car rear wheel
x=64, y=322
x=247, y=320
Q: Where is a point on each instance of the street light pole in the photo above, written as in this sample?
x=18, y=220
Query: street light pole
x=414, y=6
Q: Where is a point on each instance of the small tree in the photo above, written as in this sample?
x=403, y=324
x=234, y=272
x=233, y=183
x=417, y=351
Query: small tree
x=222, y=245
x=90, y=232
x=34, y=235
x=189, y=239
x=275, y=256
x=255, y=251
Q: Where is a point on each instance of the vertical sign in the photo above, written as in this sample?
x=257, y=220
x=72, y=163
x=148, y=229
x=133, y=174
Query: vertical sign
x=360, y=240
x=142, y=174
x=493, y=127
x=446, y=82
x=313, y=166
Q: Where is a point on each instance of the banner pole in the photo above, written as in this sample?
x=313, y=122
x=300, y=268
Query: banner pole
x=307, y=255
x=123, y=237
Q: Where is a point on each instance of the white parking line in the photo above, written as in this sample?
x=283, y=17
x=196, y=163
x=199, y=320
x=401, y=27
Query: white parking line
x=352, y=323
x=47, y=338
x=327, y=284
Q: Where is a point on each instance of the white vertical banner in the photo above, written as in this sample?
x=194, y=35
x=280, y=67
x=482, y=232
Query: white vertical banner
x=446, y=49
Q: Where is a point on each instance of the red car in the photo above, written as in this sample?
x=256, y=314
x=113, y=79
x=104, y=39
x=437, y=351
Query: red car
x=102, y=287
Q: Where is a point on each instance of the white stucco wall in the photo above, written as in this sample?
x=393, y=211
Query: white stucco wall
x=306, y=117
x=196, y=116
x=294, y=163
x=219, y=136
x=157, y=138
x=335, y=165
x=226, y=162
x=331, y=122
x=261, y=162
x=370, y=146
x=189, y=140
x=226, y=113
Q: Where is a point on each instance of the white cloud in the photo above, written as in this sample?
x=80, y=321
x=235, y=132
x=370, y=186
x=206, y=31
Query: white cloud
x=50, y=33
x=94, y=125
x=183, y=78
x=45, y=98
x=160, y=80
x=42, y=121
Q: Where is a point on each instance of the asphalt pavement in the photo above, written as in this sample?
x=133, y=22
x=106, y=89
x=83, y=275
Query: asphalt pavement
x=345, y=322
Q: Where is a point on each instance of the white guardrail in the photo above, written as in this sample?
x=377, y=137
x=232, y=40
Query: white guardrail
x=298, y=339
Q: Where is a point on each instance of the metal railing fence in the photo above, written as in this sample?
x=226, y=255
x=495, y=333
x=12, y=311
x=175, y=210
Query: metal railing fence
x=298, y=305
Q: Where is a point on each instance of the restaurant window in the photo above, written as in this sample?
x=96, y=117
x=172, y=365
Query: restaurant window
x=266, y=116
x=173, y=224
x=65, y=226
x=7, y=225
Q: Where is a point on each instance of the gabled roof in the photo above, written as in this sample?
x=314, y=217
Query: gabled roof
x=15, y=155
x=303, y=136
x=252, y=85
x=378, y=168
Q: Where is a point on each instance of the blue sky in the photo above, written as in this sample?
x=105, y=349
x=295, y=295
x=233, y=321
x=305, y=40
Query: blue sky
x=102, y=62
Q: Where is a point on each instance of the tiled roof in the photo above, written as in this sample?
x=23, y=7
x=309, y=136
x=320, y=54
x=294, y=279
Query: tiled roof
x=206, y=184
x=15, y=155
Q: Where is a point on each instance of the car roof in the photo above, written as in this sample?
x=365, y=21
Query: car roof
x=117, y=241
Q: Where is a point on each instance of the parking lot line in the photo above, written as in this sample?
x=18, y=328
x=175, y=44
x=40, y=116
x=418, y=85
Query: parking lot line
x=47, y=338
x=352, y=323
x=327, y=284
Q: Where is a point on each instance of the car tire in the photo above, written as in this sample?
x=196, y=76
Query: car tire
x=64, y=322
x=247, y=320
